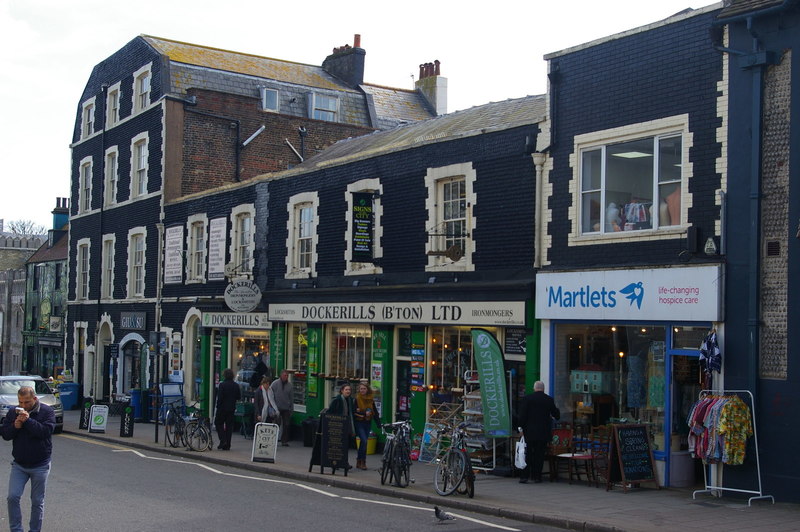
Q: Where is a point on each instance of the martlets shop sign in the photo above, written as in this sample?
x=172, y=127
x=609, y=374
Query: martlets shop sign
x=685, y=294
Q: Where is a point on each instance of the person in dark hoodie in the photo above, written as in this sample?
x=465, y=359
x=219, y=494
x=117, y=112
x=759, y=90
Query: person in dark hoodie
x=228, y=393
x=30, y=428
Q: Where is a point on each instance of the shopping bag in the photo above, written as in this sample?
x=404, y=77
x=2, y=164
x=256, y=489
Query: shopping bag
x=519, y=456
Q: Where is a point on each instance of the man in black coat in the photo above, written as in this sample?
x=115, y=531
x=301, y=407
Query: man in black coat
x=536, y=414
x=227, y=395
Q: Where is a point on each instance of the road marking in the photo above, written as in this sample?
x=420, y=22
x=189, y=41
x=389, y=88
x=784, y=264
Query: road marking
x=464, y=517
x=297, y=484
x=116, y=448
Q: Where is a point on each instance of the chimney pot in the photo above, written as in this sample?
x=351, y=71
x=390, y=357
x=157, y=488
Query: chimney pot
x=357, y=41
x=437, y=69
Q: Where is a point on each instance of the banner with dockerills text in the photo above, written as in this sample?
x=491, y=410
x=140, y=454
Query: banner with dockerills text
x=491, y=374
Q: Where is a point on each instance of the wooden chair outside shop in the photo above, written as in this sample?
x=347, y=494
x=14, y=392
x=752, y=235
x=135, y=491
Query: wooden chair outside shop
x=565, y=454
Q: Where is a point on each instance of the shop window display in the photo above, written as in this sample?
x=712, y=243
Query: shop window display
x=250, y=348
x=350, y=354
x=612, y=373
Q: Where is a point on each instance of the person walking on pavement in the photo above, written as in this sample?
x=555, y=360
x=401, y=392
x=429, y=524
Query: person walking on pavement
x=227, y=395
x=536, y=414
x=365, y=412
x=265, y=408
x=30, y=428
x=282, y=391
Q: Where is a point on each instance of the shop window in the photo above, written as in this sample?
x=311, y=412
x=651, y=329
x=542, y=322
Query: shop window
x=297, y=363
x=450, y=358
x=688, y=337
x=606, y=372
x=350, y=353
x=250, y=348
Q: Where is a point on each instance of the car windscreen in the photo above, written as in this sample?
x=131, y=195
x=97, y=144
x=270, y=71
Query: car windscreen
x=10, y=387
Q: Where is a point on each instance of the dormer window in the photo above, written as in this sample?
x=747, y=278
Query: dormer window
x=269, y=99
x=323, y=107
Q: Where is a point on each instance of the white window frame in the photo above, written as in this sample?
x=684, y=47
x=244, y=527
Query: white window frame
x=242, y=245
x=83, y=269
x=113, y=95
x=111, y=176
x=137, y=262
x=364, y=268
x=666, y=127
x=107, y=273
x=264, y=107
x=139, y=174
x=435, y=180
x=196, y=251
x=85, y=171
x=88, y=118
x=295, y=205
x=317, y=112
x=142, y=88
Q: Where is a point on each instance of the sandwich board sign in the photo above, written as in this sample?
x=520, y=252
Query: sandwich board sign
x=98, y=418
x=265, y=442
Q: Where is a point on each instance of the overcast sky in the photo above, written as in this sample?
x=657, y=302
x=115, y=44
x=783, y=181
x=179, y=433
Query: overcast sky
x=490, y=51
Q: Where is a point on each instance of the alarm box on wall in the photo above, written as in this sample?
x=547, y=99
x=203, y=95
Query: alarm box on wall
x=594, y=382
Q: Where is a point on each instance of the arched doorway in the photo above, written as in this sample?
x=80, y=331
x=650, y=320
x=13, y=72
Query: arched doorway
x=133, y=368
x=103, y=370
x=193, y=376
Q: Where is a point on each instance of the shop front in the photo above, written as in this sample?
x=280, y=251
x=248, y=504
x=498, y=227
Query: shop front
x=418, y=357
x=622, y=346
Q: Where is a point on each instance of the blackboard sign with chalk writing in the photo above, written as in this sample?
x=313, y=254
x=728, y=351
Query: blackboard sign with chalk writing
x=630, y=459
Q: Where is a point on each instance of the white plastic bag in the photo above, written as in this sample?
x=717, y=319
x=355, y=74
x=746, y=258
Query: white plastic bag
x=519, y=456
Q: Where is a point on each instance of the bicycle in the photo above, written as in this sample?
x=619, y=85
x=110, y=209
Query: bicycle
x=396, y=461
x=190, y=431
x=454, y=471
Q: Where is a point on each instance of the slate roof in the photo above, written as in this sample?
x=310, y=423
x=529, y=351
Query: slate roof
x=740, y=7
x=58, y=251
x=494, y=116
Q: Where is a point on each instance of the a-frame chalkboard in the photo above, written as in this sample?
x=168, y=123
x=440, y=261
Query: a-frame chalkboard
x=331, y=444
x=630, y=458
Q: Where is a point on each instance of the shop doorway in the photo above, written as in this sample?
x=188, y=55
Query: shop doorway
x=402, y=406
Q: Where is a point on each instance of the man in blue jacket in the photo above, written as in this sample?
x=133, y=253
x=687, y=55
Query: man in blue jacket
x=30, y=427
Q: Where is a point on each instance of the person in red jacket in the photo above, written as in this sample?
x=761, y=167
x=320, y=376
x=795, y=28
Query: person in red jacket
x=30, y=428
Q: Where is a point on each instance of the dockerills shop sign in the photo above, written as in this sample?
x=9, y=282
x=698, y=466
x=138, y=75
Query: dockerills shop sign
x=242, y=296
x=487, y=313
x=687, y=294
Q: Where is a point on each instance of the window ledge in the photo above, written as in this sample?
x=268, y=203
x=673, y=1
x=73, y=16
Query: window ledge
x=603, y=238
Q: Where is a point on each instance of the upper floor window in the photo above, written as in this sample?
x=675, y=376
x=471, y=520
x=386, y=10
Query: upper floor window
x=269, y=99
x=136, y=261
x=141, y=88
x=107, y=274
x=450, y=220
x=112, y=176
x=324, y=107
x=87, y=120
x=364, y=231
x=82, y=269
x=302, y=235
x=242, y=239
x=139, y=165
x=196, y=259
x=85, y=190
x=112, y=105
x=632, y=182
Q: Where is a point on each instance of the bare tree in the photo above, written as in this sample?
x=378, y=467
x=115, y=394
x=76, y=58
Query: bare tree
x=25, y=228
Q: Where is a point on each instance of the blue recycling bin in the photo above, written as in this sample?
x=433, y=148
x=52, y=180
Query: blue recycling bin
x=136, y=404
x=68, y=393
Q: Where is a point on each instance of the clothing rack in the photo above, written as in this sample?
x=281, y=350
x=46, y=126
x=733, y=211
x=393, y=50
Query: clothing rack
x=710, y=488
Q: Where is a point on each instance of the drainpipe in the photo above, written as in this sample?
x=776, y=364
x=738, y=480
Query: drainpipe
x=539, y=159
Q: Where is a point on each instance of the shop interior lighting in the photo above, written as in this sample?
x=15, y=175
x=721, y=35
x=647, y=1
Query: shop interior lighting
x=613, y=329
x=621, y=354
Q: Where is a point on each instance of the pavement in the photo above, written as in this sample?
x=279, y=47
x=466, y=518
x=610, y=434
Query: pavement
x=577, y=506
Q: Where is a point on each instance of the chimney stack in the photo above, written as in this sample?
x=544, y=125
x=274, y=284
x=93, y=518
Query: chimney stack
x=60, y=213
x=347, y=63
x=433, y=86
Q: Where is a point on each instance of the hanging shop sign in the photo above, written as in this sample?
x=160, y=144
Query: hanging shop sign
x=244, y=320
x=242, y=296
x=481, y=313
x=363, y=224
x=491, y=374
x=683, y=294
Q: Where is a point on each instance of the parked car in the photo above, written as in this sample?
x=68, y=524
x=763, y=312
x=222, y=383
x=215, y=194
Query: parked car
x=10, y=385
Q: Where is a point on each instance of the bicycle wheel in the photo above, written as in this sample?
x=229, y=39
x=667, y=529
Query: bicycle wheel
x=400, y=466
x=196, y=436
x=386, y=463
x=469, y=479
x=169, y=428
x=449, y=473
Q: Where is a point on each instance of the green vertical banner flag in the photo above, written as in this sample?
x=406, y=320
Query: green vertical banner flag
x=491, y=374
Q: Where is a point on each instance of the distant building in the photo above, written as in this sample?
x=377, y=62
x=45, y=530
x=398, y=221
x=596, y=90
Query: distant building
x=45, y=300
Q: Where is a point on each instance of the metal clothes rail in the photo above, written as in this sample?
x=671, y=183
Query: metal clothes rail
x=710, y=488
